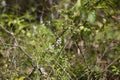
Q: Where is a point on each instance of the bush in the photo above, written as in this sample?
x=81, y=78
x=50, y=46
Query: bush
x=59, y=40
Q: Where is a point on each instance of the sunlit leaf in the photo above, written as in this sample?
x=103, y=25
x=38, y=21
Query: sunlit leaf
x=91, y=17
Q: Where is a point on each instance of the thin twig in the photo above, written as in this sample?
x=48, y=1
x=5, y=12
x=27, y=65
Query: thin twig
x=21, y=48
x=64, y=71
x=112, y=63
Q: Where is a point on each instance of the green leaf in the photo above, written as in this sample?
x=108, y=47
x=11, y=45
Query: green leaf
x=91, y=17
x=78, y=4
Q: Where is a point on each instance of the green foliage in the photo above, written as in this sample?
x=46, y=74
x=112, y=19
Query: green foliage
x=59, y=40
x=115, y=70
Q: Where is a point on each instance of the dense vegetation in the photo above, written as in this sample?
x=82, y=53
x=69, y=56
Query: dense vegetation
x=60, y=40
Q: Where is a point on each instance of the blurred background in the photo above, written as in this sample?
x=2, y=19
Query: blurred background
x=59, y=40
